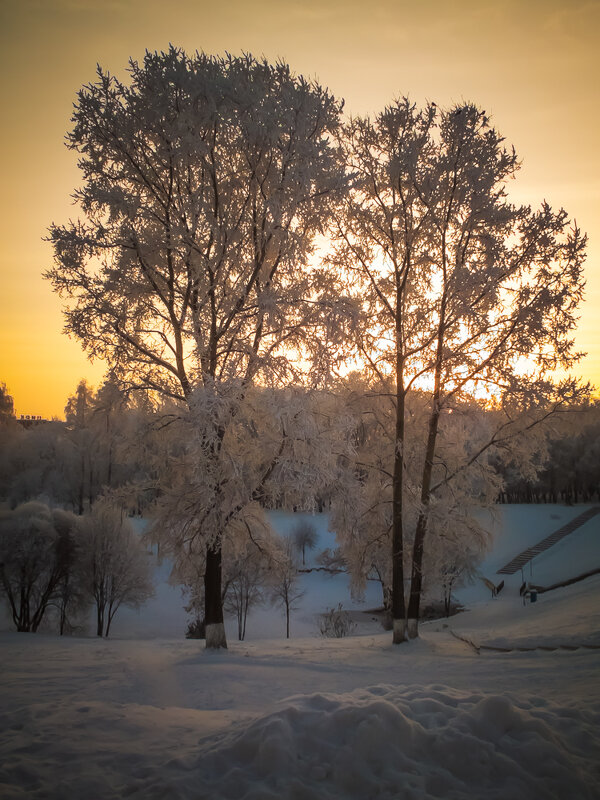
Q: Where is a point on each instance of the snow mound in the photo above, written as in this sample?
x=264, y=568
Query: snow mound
x=386, y=742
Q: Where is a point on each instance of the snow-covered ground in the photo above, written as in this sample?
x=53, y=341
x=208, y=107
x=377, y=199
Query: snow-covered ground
x=164, y=616
x=440, y=717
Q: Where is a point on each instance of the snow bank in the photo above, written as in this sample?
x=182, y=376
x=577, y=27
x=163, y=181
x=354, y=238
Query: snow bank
x=564, y=618
x=385, y=742
x=159, y=720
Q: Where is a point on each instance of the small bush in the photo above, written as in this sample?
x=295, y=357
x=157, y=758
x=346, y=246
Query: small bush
x=336, y=623
x=387, y=621
x=196, y=629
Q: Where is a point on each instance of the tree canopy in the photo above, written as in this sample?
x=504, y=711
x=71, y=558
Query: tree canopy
x=204, y=180
x=461, y=293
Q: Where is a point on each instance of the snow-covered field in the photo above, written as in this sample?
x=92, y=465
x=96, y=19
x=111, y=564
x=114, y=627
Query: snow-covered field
x=440, y=717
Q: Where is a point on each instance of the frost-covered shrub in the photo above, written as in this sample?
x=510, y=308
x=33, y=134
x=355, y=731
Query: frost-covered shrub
x=387, y=621
x=116, y=569
x=335, y=623
x=38, y=561
x=196, y=629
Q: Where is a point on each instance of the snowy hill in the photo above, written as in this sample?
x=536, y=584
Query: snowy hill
x=512, y=528
x=164, y=617
x=320, y=718
x=517, y=527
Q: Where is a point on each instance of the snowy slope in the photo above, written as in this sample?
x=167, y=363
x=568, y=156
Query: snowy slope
x=163, y=616
x=514, y=528
x=317, y=718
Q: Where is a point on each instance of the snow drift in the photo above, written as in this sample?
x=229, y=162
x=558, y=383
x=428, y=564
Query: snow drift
x=386, y=742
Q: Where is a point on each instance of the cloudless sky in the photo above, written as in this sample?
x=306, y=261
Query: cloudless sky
x=534, y=65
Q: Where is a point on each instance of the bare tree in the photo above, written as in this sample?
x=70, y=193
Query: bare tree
x=244, y=575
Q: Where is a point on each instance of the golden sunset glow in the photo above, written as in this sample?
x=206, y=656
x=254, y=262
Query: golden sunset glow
x=533, y=66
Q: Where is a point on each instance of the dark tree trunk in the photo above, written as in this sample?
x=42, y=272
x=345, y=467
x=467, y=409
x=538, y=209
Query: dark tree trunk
x=215, y=629
x=99, y=620
x=416, y=578
x=398, y=602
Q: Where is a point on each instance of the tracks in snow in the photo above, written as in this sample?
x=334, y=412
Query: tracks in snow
x=548, y=648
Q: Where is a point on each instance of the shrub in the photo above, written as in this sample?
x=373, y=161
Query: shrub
x=336, y=623
x=196, y=629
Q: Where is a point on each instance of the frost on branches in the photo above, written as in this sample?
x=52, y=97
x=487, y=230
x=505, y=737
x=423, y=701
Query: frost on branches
x=241, y=451
x=362, y=511
x=464, y=295
x=205, y=180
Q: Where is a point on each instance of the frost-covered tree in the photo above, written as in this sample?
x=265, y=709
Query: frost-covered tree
x=78, y=415
x=116, y=566
x=285, y=580
x=72, y=601
x=205, y=180
x=34, y=464
x=305, y=537
x=380, y=231
x=109, y=421
x=279, y=447
x=463, y=293
x=35, y=564
x=362, y=511
x=7, y=408
x=99, y=448
x=567, y=464
x=97, y=428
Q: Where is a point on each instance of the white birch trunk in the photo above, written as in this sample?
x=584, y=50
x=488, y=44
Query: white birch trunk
x=215, y=636
x=413, y=628
x=399, y=631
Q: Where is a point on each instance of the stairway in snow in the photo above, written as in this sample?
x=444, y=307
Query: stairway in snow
x=523, y=558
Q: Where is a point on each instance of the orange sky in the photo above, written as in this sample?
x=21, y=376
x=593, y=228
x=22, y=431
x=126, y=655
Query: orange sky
x=534, y=65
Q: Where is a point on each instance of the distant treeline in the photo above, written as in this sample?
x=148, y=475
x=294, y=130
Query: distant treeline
x=113, y=443
x=570, y=471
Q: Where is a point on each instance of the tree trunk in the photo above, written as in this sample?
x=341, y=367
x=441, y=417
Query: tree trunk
x=112, y=610
x=416, y=578
x=215, y=629
x=398, y=602
x=23, y=624
x=99, y=620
